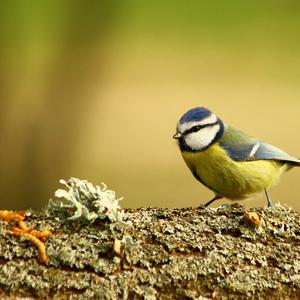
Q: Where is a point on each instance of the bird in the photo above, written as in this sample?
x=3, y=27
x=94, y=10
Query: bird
x=231, y=163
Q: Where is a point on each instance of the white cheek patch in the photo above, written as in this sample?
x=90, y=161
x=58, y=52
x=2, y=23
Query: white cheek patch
x=202, y=138
x=211, y=119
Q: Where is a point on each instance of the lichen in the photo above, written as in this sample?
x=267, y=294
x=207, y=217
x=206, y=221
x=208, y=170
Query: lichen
x=85, y=202
x=157, y=253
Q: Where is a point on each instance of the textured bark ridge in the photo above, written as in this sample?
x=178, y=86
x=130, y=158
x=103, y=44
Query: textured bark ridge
x=157, y=253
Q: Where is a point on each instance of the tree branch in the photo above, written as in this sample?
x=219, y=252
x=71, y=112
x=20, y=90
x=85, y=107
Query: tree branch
x=157, y=253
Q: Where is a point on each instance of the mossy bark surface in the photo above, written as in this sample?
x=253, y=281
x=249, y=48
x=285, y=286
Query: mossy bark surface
x=158, y=253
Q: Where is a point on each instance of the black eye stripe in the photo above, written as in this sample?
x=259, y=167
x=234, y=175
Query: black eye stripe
x=198, y=127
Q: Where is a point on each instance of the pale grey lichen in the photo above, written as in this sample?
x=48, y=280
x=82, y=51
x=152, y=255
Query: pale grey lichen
x=83, y=201
x=162, y=253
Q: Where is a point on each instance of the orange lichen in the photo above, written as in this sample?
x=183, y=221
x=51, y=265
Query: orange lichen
x=10, y=216
x=41, y=235
x=36, y=237
x=117, y=246
x=252, y=218
x=34, y=240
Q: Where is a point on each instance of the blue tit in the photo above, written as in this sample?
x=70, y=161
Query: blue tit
x=229, y=162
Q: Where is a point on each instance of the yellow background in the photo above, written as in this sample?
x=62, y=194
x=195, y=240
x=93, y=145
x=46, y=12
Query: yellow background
x=94, y=90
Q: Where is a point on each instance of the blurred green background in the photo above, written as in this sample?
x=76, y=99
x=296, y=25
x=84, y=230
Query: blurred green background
x=94, y=89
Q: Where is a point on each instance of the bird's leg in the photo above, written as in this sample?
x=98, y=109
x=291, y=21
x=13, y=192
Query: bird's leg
x=212, y=200
x=269, y=199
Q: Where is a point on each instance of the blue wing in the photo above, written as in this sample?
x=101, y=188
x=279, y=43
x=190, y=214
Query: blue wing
x=241, y=147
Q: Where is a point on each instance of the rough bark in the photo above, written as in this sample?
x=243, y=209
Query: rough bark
x=158, y=253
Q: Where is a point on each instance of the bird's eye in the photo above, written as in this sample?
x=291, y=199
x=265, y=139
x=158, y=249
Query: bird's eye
x=196, y=128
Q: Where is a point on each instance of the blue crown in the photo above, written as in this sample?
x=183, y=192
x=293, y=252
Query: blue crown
x=195, y=114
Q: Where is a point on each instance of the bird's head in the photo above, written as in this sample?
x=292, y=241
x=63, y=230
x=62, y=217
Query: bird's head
x=197, y=129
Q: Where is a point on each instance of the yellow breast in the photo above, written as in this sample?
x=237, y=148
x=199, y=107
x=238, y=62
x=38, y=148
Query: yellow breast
x=231, y=179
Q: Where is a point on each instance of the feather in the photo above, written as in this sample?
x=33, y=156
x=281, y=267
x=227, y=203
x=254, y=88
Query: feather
x=241, y=147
